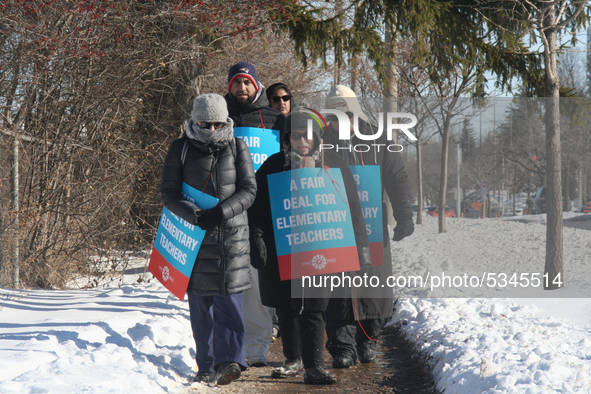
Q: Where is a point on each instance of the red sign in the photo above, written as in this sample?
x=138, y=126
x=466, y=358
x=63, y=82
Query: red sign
x=316, y=262
x=168, y=275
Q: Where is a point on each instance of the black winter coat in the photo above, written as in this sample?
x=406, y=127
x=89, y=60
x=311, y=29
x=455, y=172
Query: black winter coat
x=223, y=263
x=256, y=114
x=376, y=303
x=274, y=292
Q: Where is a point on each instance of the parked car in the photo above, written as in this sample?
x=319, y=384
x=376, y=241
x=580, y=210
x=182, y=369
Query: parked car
x=449, y=213
x=518, y=211
x=539, y=200
x=415, y=209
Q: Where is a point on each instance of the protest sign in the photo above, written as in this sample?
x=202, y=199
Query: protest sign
x=369, y=188
x=312, y=223
x=177, y=244
x=261, y=143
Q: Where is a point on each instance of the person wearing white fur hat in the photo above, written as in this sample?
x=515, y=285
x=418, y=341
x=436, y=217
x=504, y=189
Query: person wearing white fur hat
x=353, y=324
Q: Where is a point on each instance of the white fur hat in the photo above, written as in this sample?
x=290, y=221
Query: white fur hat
x=344, y=99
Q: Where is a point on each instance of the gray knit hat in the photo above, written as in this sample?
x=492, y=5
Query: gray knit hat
x=209, y=107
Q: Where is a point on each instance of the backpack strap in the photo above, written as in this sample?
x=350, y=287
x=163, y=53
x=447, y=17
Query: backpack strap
x=184, y=152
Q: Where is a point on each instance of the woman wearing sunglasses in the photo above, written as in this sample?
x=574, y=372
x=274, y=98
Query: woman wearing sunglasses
x=279, y=97
x=212, y=161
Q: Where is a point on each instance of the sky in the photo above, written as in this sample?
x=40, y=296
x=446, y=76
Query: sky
x=132, y=337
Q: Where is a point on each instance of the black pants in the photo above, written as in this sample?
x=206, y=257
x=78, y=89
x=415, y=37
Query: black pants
x=348, y=337
x=302, y=335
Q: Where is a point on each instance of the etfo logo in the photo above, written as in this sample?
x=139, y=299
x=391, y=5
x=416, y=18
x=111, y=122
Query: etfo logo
x=166, y=274
x=319, y=262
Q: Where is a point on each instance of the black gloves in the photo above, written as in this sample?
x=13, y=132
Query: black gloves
x=403, y=229
x=210, y=218
x=258, y=251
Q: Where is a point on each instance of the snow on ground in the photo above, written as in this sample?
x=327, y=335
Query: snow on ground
x=132, y=339
x=499, y=345
x=136, y=337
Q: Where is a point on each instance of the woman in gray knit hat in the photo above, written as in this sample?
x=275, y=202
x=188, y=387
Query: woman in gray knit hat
x=209, y=159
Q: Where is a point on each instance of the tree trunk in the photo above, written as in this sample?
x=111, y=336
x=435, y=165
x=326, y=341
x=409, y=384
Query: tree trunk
x=581, y=193
x=515, y=189
x=567, y=188
x=443, y=176
x=15, y=202
x=419, y=184
x=554, y=243
x=391, y=90
x=1, y=237
x=337, y=65
x=355, y=74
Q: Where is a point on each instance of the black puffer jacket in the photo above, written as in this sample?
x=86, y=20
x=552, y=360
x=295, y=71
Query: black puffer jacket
x=256, y=114
x=222, y=266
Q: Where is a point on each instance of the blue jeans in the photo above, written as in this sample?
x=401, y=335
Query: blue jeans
x=218, y=329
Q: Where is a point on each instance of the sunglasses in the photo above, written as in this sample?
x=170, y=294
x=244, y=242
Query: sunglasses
x=296, y=136
x=285, y=98
x=207, y=125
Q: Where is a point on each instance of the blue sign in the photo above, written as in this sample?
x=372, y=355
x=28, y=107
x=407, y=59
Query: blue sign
x=261, y=143
x=177, y=244
x=312, y=222
x=369, y=188
x=202, y=200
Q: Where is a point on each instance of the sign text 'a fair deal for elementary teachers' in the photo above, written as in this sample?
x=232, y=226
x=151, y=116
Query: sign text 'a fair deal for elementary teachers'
x=312, y=223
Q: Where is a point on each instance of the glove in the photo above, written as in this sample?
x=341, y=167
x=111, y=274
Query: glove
x=258, y=251
x=364, y=257
x=364, y=268
x=210, y=218
x=403, y=229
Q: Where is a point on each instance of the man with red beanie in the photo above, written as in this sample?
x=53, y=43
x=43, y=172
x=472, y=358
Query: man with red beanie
x=248, y=107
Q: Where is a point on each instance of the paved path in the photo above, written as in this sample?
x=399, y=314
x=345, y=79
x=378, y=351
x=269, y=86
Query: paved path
x=581, y=221
x=397, y=370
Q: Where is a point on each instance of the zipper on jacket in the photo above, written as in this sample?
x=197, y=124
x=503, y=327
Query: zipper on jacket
x=220, y=232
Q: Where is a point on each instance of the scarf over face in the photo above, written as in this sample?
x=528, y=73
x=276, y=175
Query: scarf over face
x=209, y=137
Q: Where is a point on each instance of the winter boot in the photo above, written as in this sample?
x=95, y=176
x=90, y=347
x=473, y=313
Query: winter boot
x=318, y=375
x=227, y=373
x=288, y=369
